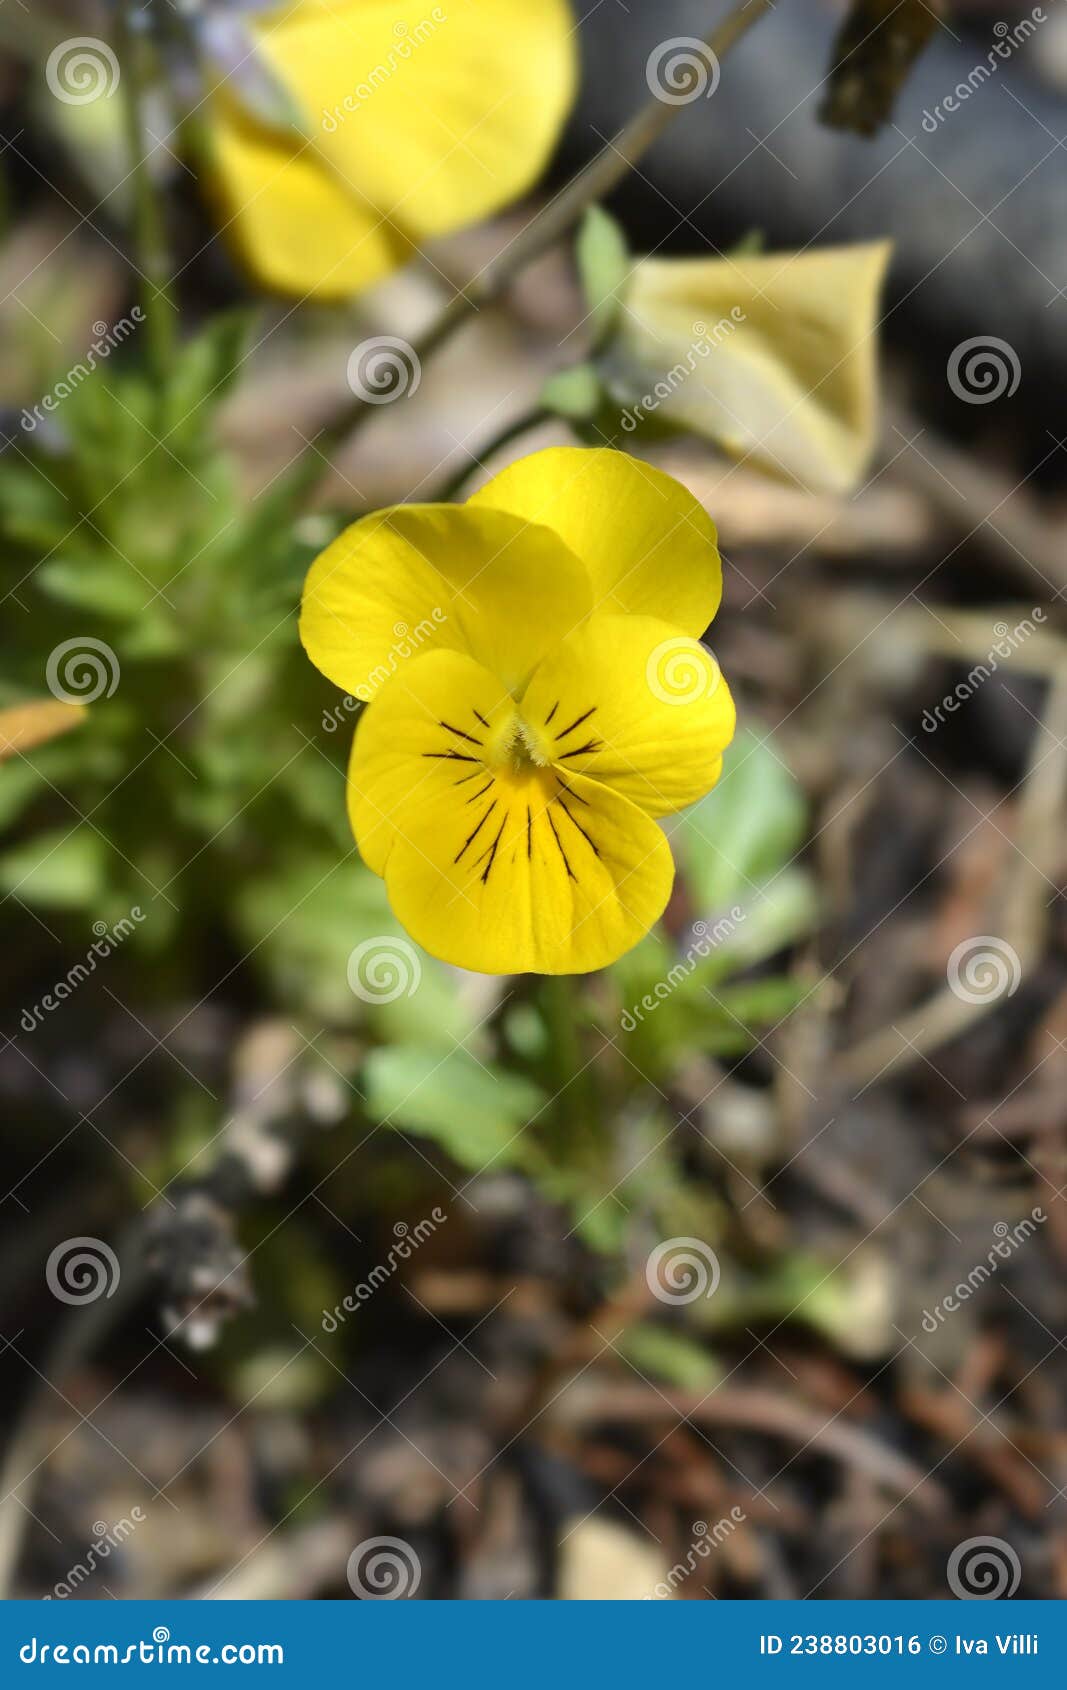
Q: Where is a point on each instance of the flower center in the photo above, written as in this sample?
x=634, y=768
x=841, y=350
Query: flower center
x=516, y=746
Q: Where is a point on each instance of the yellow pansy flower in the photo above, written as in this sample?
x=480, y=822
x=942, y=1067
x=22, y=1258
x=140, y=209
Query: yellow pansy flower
x=539, y=694
x=773, y=355
x=414, y=120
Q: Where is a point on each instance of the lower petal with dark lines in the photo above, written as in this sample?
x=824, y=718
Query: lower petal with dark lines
x=494, y=861
x=547, y=880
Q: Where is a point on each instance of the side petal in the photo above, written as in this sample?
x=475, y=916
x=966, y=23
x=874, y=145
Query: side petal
x=491, y=866
x=773, y=356
x=633, y=703
x=416, y=578
x=648, y=544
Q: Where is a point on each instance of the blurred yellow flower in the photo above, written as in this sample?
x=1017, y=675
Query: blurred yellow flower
x=539, y=696
x=414, y=120
x=22, y=726
x=773, y=356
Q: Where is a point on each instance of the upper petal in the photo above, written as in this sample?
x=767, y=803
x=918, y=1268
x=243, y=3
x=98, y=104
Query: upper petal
x=773, y=355
x=631, y=702
x=435, y=115
x=493, y=867
x=416, y=578
x=648, y=544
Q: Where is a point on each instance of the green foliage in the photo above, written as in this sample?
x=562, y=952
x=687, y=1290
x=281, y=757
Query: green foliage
x=207, y=788
x=604, y=263
x=477, y=1114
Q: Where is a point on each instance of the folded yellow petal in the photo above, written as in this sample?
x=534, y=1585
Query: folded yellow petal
x=417, y=578
x=295, y=225
x=647, y=543
x=773, y=356
x=632, y=702
x=491, y=860
x=22, y=726
x=431, y=116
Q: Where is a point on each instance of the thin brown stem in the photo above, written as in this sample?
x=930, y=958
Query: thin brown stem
x=600, y=176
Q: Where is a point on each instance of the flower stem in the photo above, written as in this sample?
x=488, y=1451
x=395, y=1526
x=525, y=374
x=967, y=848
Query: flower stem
x=554, y=220
x=529, y=419
x=559, y=999
x=153, y=256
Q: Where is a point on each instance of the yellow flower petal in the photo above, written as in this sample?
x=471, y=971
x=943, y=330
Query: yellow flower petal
x=416, y=578
x=648, y=545
x=501, y=866
x=22, y=726
x=773, y=356
x=293, y=223
x=435, y=116
x=631, y=702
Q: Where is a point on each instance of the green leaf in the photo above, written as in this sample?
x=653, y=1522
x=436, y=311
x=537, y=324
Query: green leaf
x=603, y=266
x=60, y=869
x=476, y=1114
x=662, y=1353
x=747, y=827
x=207, y=367
x=576, y=393
x=106, y=585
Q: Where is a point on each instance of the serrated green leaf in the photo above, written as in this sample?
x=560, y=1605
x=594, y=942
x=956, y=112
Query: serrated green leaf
x=478, y=1115
x=60, y=869
x=745, y=830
